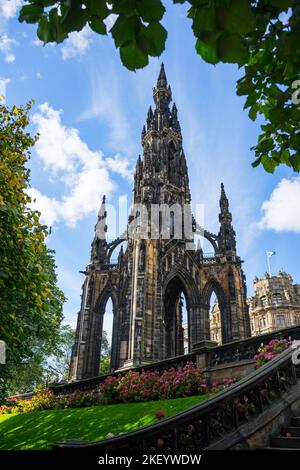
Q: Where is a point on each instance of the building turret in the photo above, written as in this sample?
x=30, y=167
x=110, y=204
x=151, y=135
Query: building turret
x=99, y=244
x=226, y=236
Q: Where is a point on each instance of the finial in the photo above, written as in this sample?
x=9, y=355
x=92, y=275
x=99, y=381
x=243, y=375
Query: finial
x=162, y=78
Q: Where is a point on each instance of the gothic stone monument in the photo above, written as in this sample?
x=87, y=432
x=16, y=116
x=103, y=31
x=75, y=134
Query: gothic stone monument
x=147, y=283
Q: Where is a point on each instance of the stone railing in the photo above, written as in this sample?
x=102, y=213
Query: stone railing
x=247, y=348
x=205, y=354
x=205, y=424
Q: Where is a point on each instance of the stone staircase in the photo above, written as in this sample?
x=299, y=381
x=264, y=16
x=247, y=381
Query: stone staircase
x=289, y=439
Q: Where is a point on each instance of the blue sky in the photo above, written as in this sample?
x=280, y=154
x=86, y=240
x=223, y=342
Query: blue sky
x=90, y=110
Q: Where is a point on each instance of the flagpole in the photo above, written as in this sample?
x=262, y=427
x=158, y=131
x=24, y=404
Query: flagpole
x=268, y=261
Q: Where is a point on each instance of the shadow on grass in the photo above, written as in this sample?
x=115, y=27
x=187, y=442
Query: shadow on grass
x=39, y=430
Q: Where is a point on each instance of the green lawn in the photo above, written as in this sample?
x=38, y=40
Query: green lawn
x=40, y=429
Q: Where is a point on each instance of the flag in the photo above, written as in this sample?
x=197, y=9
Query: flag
x=270, y=253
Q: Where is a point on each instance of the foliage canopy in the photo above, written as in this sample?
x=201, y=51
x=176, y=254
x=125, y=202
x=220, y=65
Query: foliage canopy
x=30, y=301
x=263, y=36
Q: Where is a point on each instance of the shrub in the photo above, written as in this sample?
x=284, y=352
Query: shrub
x=271, y=350
x=42, y=400
x=77, y=399
x=108, y=390
x=149, y=385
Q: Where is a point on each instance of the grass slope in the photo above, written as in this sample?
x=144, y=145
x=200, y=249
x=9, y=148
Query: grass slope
x=40, y=429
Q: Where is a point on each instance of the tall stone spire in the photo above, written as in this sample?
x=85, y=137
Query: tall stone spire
x=99, y=244
x=224, y=205
x=226, y=236
x=162, y=96
x=163, y=162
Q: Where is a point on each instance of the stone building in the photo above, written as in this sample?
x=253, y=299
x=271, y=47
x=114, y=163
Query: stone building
x=275, y=303
x=153, y=272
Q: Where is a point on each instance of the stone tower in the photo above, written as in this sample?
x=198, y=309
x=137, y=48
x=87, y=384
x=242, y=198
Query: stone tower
x=160, y=263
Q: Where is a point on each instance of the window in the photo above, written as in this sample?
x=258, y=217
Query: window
x=264, y=301
x=262, y=322
x=172, y=224
x=280, y=319
x=277, y=299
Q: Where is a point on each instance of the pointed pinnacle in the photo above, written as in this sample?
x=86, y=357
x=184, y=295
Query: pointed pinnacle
x=162, y=78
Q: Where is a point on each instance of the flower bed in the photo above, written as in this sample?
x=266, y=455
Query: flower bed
x=131, y=387
x=150, y=385
x=268, y=352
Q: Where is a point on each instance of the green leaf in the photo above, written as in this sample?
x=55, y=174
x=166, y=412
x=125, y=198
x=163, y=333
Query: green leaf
x=238, y=17
x=268, y=163
x=265, y=145
x=204, y=19
x=231, y=49
x=123, y=31
x=56, y=29
x=206, y=47
x=245, y=86
x=256, y=162
x=278, y=115
x=98, y=8
x=31, y=13
x=253, y=112
x=251, y=100
x=97, y=25
x=295, y=162
x=290, y=43
x=151, y=10
x=132, y=57
x=45, y=30
x=74, y=18
x=153, y=39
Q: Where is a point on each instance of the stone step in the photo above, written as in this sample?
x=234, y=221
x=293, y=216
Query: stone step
x=291, y=431
x=285, y=442
x=295, y=421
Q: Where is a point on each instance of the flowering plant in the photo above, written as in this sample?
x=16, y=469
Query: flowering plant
x=271, y=350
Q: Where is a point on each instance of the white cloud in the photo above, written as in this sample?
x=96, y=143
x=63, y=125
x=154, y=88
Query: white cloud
x=3, y=83
x=120, y=165
x=8, y=8
x=70, y=161
x=77, y=43
x=106, y=103
x=38, y=76
x=281, y=212
x=6, y=47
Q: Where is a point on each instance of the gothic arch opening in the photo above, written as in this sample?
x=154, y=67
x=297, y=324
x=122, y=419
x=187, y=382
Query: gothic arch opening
x=106, y=337
x=217, y=311
x=176, y=319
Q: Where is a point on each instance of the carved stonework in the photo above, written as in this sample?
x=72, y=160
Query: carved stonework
x=152, y=276
x=275, y=303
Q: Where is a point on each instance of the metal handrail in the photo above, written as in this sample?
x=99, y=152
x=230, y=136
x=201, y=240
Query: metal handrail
x=204, y=421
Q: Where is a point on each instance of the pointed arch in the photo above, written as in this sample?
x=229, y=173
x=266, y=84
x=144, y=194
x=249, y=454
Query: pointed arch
x=179, y=335
x=211, y=286
x=109, y=292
